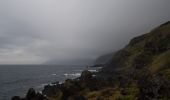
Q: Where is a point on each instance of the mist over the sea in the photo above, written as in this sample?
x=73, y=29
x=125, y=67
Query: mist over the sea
x=73, y=31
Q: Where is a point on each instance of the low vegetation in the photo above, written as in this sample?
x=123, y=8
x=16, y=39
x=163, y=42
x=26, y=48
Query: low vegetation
x=140, y=71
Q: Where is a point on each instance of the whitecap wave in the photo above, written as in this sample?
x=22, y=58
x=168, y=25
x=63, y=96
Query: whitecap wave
x=42, y=86
x=99, y=67
x=45, y=84
x=78, y=70
x=54, y=74
x=74, y=75
x=93, y=70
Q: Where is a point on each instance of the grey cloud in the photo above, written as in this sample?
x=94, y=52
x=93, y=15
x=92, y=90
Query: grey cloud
x=16, y=34
x=73, y=31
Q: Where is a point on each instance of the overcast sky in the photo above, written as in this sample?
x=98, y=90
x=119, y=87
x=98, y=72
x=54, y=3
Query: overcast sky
x=67, y=31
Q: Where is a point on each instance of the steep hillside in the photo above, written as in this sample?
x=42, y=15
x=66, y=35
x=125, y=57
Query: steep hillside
x=140, y=71
x=142, y=52
x=145, y=61
x=104, y=58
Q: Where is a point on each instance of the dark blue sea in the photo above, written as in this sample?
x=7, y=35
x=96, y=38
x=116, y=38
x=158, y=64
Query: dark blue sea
x=15, y=80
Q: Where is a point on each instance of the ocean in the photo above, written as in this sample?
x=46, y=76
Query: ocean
x=15, y=80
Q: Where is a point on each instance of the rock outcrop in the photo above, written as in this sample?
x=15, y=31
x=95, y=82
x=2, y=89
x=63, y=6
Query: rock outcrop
x=31, y=95
x=140, y=71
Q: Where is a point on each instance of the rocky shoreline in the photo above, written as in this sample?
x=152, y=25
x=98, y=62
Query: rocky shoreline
x=69, y=90
x=139, y=71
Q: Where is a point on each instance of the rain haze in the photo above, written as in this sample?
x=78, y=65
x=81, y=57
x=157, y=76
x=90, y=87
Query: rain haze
x=73, y=31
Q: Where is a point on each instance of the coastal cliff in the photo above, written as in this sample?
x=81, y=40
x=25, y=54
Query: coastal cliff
x=139, y=71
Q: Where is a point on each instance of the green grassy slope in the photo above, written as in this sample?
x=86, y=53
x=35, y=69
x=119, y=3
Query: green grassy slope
x=139, y=71
x=142, y=52
x=145, y=61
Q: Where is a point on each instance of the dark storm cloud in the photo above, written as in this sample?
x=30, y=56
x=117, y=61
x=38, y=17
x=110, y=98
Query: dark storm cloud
x=73, y=31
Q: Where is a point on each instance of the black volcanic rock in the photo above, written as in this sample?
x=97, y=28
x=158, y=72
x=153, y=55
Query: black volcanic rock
x=86, y=75
x=16, y=98
x=31, y=94
x=139, y=71
x=52, y=90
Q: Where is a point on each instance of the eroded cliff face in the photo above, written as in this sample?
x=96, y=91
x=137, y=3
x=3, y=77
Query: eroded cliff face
x=139, y=71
